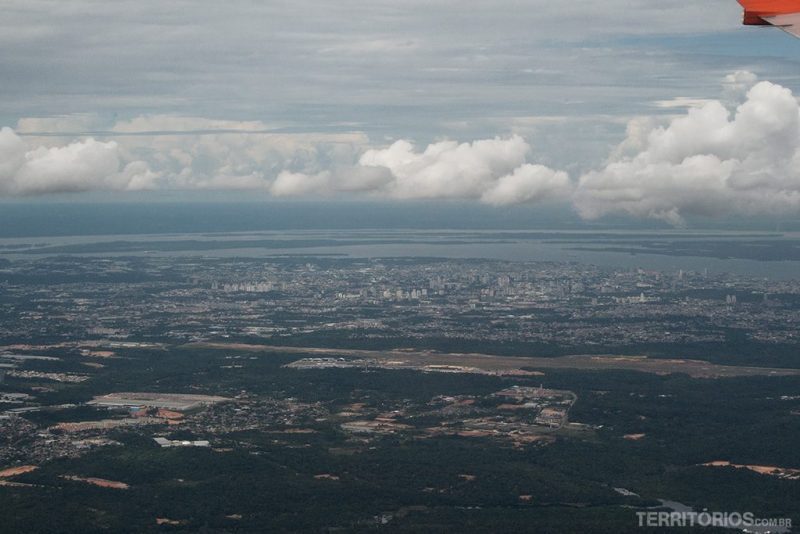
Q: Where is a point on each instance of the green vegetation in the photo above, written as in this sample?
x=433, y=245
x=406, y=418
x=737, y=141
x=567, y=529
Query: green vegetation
x=267, y=480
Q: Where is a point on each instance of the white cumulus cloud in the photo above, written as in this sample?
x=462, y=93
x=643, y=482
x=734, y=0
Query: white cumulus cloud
x=528, y=183
x=448, y=169
x=301, y=184
x=79, y=166
x=710, y=161
x=492, y=170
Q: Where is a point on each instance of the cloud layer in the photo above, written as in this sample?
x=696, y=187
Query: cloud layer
x=491, y=170
x=736, y=155
x=409, y=69
x=178, y=153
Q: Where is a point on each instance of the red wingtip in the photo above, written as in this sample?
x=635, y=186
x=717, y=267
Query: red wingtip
x=771, y=6
x=756, y=10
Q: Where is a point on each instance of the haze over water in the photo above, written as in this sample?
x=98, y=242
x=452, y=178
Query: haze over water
x=362, y=230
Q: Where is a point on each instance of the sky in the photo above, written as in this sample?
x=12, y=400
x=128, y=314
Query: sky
x=652, y=110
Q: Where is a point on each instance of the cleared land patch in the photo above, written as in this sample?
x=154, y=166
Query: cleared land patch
x=504, y=364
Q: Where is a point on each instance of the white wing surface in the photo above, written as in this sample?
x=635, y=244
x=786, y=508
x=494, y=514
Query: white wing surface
x=790, y=23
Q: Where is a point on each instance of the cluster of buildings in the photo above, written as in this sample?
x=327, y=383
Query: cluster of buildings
x=519, y=414
x=161, y=300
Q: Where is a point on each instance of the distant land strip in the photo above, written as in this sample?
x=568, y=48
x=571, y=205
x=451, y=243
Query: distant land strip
x=487, y=362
